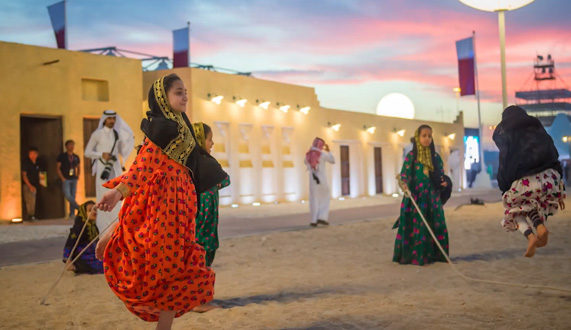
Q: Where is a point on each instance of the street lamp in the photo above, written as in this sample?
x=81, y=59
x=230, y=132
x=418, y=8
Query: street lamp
x=457, y=90
x=500, y=6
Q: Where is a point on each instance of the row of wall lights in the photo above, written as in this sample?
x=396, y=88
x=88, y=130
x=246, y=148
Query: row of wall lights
x=261, y=103
x=372, y=129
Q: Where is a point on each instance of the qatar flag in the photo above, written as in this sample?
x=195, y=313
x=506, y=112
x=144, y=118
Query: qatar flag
x=57, y=16
x=181, y=47
x=465, y=51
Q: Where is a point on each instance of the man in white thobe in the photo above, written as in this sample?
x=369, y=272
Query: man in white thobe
x=319, y=193
x=112, y=138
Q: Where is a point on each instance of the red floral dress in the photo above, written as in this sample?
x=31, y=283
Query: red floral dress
x=540, y=192
x=153, y=261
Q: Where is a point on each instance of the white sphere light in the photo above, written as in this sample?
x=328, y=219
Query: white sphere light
x=396, y=105
x=496, y=5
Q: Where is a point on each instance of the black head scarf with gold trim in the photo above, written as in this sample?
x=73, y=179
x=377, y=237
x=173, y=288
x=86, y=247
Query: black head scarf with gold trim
x=168, y=129
x=200, y=135
x=174, y=134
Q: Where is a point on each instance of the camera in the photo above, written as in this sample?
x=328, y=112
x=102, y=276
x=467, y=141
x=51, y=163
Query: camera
x=108, y=168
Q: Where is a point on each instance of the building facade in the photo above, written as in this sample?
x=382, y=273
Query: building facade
x=52, y=95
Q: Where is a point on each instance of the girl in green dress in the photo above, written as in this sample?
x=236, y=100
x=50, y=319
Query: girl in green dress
x=423, y=173
x=207, y=218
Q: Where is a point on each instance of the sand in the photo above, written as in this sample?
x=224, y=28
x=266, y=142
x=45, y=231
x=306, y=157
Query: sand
x=339, y=277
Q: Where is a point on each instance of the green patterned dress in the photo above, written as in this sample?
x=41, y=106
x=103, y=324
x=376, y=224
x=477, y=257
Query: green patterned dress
x=207, y=221
x=413, y=244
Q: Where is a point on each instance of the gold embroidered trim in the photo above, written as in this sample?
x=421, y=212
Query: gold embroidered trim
x=199, y=133
x=423, y=155
x=180, y=147
x=123, y=189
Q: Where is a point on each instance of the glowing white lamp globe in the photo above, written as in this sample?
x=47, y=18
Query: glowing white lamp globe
x=496, y=5
x=396, y=105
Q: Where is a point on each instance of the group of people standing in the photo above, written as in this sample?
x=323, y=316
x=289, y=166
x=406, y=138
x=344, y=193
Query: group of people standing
x=157, y=257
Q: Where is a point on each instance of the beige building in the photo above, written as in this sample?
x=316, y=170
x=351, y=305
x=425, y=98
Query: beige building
x=51, y=95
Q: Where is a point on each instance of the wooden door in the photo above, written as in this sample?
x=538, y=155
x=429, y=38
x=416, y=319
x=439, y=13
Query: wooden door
x=378, y=170
x=89, y=126
x=45, y=133
x=345, y=171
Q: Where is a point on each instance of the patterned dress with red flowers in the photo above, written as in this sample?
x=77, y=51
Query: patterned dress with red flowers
x=153, y=262
x=413, y=243
x=540, y=192
x=207, y=220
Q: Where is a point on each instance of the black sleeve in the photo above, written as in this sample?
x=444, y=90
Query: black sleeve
x=504, y=182
x=59, y=158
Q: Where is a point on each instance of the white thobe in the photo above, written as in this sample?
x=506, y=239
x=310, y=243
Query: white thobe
x=319, y=194
x=102, y=141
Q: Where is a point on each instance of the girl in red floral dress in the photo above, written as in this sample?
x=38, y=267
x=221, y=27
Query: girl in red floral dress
x=529, y=175
x=152, y=261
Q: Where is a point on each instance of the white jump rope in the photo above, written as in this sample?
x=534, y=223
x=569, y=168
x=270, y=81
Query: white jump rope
x=404, y=188
x=68, y=262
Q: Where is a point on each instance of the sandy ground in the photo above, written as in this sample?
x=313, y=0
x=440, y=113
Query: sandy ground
x=60, y=227
x=340, y=277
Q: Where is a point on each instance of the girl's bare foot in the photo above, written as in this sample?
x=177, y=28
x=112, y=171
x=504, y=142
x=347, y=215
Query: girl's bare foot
x=542, y=235
x=531, y=245
x=205, y=308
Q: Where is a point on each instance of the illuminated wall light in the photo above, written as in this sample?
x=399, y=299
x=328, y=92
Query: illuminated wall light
x=305, y=110
x=284, y=108
x=265, y=105
x=241, y=102
x=335, y=127
x=370, y=129
x=565, y=139
x=341, y=198
x=451, y=136
x=457, y=89
x=216, y=99
x=400, y=132
x=234, y=205
x=256, y=204
x=17, y=220
x=395, y=195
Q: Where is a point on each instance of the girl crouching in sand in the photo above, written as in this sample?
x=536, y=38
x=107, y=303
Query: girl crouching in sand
x=529, y=175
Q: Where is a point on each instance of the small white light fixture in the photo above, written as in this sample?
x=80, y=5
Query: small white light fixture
x=215, y=98
x=334, y=127
x=457, y=89
x=370, y=129
x=256, y=204
x=566, y=139
x=17, y=220
x=234, y=205
x=240, y=101
x=284, y=108
x=341, y=198
x=302, y=201
x=304, y=110
x=451, y=136
x=265, y=105
x=400, y=132
x=395, y=195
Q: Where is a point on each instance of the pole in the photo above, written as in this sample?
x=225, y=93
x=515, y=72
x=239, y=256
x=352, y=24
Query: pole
x=65, y=22
x=478, y=99
x=188, y=23
x=502, y=27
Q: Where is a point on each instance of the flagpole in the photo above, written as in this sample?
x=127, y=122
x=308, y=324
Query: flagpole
x=478, y=99
x=65, y=22
x=188, y=23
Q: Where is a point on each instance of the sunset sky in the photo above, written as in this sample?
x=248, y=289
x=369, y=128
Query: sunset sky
x=353, y=52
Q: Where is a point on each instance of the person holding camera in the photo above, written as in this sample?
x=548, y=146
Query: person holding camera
x=112, y=138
